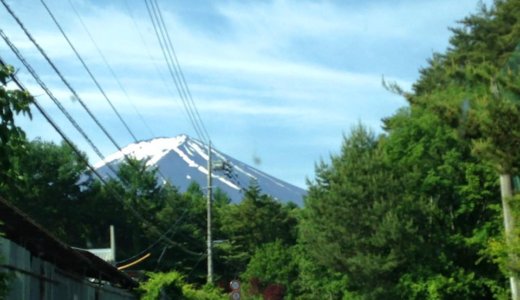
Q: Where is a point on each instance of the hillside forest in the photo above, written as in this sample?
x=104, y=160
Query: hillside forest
x=413, y=212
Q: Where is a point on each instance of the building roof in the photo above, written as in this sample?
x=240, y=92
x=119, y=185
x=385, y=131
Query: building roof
x=106, y=254
x=21, y=229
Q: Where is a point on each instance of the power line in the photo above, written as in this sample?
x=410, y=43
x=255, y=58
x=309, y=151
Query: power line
x=171, y=54
x=167, y=57
x=141, y=37
x=140, y=253
x=88, y=71
x=172, y=61
x=67, y=84
x=73, y=91
x=51, y=95
x=93, y=77
x=75, y=149
x=163, y=37
x=196, y=264
x=180, y=72
x=110, y=69
x=75, y=124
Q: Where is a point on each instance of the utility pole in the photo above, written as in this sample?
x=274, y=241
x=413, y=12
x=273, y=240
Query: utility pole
x=506, y=192
x=209, y=204
x=113, y=243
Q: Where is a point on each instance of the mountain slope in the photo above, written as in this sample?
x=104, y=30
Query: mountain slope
x=182, y=160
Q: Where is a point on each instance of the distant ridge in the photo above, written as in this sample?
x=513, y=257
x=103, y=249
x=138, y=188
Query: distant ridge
x=182, y=159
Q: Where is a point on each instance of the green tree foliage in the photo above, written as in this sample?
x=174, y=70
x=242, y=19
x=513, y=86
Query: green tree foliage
x=141, y=189
x=12, y=137
x=475, y=84
x=172, y=285
x=50, y=188
x=142, y=199
x=186, y=215
x=272, y=264
x=353, y=222
x=316, y=281
x=433, y=173
x=455, y=196
x=406, y=215
x=153, y=218
x=478, y=81
x=257, y=220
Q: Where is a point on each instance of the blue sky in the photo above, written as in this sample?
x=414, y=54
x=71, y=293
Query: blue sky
x=281, y=81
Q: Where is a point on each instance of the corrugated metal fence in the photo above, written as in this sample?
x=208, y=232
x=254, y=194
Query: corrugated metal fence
x=31, y=278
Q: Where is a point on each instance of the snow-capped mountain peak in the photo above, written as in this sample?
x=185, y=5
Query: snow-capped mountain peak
x=182, y=160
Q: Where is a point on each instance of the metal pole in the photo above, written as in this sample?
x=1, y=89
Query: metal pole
x=209, y=204
x=506, y=191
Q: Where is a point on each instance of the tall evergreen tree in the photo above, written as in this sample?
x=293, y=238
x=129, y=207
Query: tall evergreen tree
x=352, y=223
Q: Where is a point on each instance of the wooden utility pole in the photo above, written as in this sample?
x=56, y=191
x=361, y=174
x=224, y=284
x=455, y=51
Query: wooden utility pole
x=208, y=208
x=506, y=192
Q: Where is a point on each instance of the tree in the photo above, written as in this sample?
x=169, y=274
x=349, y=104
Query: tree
x=454, y=195
x=272, y=264
x=353, y=222
x=153, y=217
x=255, y=221
x=180, y=216
x=12, y=138
x=482, y=65
x=50, y=189
x=316, y=281
x=405, y=215
x=172, y=285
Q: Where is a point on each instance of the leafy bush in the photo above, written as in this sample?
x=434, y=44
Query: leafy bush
x=272, y=270
x=173, y=286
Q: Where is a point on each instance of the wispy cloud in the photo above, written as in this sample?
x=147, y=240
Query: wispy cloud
x=293, y=73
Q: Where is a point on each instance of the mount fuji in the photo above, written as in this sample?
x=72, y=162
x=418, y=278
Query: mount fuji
x=182, y=160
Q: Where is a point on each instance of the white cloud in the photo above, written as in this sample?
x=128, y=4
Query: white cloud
x=310, y=69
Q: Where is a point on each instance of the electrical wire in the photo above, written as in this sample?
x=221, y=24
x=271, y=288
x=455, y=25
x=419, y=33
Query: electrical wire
x=167, y=57
x=110, y=69
x=174, y=226
x=53, y=98
x=73, y=91
x=162, y=37
x=202, y=256
x=184, y=84
x=171, y=55
x=88, y=70
x=143, y=41
x=76, y=150
x=114, y=75
x=53, y=66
